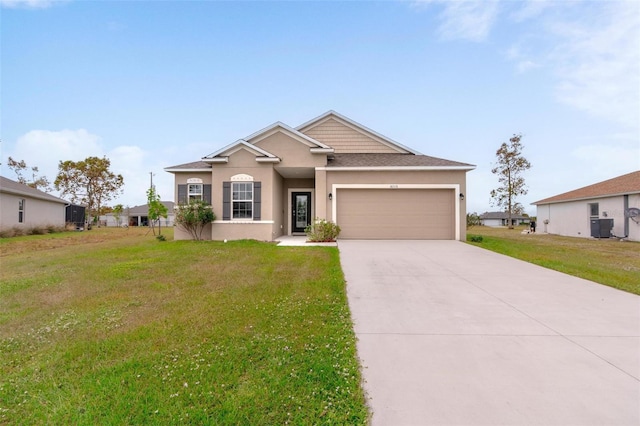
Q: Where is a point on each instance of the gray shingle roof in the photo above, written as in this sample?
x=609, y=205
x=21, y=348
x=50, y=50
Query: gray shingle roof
x=12, y=187
x=501, y=215
x=392, y=160
x=143, y=209
x=190, y=166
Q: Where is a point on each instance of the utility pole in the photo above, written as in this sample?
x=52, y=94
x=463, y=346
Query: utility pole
x=151, y=183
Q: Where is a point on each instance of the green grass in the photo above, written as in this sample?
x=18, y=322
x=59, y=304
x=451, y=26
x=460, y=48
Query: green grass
x=125, y=329
x=606, y=261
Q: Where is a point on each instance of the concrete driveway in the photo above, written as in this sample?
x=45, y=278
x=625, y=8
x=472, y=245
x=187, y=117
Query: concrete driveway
x=451, y=334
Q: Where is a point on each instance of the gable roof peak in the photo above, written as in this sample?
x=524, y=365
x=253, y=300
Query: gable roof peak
x=287, y=129
x=354, y=124
x=240, y=143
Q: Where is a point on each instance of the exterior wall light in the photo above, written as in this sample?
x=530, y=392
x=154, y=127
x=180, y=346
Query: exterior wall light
x=330, y=196
x=461, y=196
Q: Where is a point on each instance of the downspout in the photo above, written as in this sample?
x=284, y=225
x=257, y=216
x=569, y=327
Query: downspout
x=625, y=208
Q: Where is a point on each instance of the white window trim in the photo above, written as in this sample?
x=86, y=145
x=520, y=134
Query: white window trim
x=22, y=209
x=456, y=187
x=189, y=195
x=242, y=219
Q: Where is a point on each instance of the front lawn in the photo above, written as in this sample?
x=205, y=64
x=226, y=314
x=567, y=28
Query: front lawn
x=607, y=261
x=111, y=326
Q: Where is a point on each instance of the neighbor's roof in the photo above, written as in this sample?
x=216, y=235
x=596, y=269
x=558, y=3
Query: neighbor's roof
x=501, y=215
x=625, y=184
x=16, y=188
x=143, y=209
x=394, y=160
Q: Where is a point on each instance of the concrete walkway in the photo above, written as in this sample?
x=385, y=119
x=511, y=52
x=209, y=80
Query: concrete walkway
x=451, y=334
x=300, y=241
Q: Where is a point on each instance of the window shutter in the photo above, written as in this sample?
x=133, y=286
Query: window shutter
x=257, y=200
x=182, y=194
x=206, y=193
x=226, y=200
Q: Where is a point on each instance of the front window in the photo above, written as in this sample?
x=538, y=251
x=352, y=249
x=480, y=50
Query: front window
x=594, y=210
x=242, y=200
x=21, y=210
x=195, y=191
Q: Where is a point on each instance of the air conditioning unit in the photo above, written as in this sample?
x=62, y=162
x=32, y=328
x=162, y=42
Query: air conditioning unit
x=601, y=228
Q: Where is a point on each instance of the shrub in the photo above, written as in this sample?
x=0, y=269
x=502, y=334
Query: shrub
x=19, y=231
x=37, y=230
x=475, y=238
x=193, y=217
x=322, y=231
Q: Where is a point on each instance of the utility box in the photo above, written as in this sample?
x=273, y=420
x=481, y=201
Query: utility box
x=601, y=228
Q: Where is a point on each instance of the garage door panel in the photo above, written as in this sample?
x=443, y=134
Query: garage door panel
x=396, y=213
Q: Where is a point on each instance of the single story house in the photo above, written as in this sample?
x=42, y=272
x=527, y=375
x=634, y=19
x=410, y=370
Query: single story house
x=275, y=181
x=23, y=206
x=608, y=208
x=502, y=219
x=137, y=216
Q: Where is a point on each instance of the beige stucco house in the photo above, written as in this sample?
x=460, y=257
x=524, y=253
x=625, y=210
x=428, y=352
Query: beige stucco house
x=26, y=207
x=605, y=209
x=277, y=180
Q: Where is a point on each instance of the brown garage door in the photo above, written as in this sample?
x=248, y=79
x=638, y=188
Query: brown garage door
x=410, y=214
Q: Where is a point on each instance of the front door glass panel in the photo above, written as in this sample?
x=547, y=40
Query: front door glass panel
x=301, y=211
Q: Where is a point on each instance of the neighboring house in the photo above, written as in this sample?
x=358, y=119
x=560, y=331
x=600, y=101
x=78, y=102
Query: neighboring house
x=277, y=180
x=608, y=208
x=138, y=216
x=23, y=206
x=502, y=219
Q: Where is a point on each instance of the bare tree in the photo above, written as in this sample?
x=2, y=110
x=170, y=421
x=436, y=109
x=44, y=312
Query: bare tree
x=509, y=168
x=37, y=182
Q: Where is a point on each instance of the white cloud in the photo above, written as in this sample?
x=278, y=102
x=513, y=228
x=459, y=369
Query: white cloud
x=465, y=20
x=28, y=4
x=45, y=149
x=593, y=52
x=530, y=9
x=597, y=62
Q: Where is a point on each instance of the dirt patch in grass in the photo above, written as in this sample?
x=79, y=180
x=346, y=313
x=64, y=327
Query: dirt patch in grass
x=33, y=243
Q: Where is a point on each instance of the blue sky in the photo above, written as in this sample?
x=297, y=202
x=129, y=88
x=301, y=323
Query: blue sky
x=156, y=84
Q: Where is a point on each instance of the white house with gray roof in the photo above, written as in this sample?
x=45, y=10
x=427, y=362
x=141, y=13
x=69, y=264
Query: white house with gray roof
x=26, y=207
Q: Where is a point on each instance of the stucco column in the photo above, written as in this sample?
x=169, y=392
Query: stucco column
x=321, y=194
